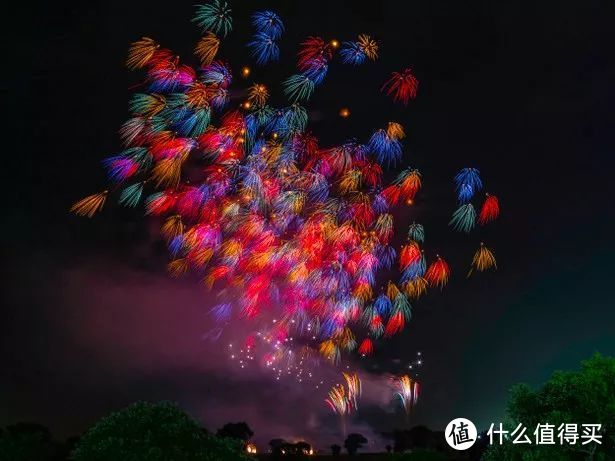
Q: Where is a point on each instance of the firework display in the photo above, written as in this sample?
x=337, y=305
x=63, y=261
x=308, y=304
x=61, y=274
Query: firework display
x=291, y=235
x=407, y=392
x=343, y=399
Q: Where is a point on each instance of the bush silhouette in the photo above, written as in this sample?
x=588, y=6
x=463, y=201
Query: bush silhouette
x=353, y=442
x=153, y=432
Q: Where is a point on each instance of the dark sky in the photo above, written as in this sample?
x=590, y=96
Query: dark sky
x=521, y=90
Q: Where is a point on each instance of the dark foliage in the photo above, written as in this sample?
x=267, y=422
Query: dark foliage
x=353, y=442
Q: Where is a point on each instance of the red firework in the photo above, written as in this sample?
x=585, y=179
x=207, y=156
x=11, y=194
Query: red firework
x=366, y=347
x=395, y=324
x=438, y=272
x=313, y=49
x=490, y=210
x=402, y=86
x=391, y=194
x=409, y=254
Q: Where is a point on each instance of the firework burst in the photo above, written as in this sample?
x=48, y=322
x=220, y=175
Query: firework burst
x=291, y=236
x=407, y=392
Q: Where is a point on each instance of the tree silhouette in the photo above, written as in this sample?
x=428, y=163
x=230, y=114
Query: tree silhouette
x=335, y=449
x=28, y=442
x=582, y=397
x=353, y=442
x=153, y=432
x=417, y=437
x=239, y=431
x=388, y=448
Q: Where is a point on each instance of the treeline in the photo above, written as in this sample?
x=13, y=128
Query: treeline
x=163, y=432
x=140, y=432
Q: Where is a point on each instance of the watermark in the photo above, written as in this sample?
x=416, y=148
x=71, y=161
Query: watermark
x=461, y=434
x=547, y=434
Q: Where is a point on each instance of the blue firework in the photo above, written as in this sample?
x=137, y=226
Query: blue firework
x=217, y=73
x=316, y=70
x=465, y=192
x=352, y=53
x=382, y=305
x=414, y=270
x=221, y=312
x=264, y=48
x=387, y=150
x=469, y=176
x=194, y=124
x=268, y=22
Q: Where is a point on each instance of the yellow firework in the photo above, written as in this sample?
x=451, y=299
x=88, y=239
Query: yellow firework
x=483, y=260
x=369, y=46
x=338, y=400
x=407, y=391
x=258, y=94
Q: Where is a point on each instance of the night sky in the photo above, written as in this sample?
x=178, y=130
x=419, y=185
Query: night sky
x=521, y=90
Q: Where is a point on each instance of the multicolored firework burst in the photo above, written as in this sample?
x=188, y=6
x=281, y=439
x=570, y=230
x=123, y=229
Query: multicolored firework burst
x=339, y=403
x=407, y=391
x=289, y=234
x=353, y=383
x=343, y=400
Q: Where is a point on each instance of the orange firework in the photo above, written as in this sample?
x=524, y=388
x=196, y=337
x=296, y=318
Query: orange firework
x=369, y=46
x=141, y=52
x=483, y=260
x=395, y=131
x=416, y=288
x=89, y=205
x=207, y=48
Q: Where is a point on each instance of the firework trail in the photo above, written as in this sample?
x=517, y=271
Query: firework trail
x=353, y=383
x=344, y=400
x=338, y=401
x=407, y=391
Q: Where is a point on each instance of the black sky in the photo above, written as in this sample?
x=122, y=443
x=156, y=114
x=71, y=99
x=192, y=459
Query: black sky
x=521, y=90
